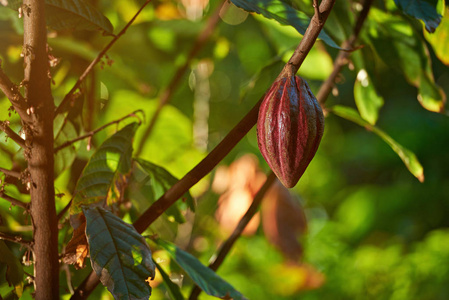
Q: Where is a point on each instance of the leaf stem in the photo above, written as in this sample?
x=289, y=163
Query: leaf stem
x=227, y=245
x=68, y=98
x=343, y=55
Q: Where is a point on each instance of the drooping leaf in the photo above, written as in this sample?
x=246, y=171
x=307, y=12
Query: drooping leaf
x=204, y=277
x=118, y=254
x=111, y=159
x=436, y=39
x=71, y=14
x=401, y=48
x=366, y=98
x=172, y=288
x=159, y=180
x=409, y=158
x=425, y=10
x=283, y=221
x=283, y=13
x=76, y=250
x=14, y=270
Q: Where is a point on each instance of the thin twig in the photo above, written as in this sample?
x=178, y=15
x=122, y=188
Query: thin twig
x=227, y=245
x=342, y=57
x=16, y=239
x=12, y=135
x=216, y=155
x=91, y=133
x=68, y=97
x=11, y=91
x=168, y=92
x=11, y=173
x=14, y=201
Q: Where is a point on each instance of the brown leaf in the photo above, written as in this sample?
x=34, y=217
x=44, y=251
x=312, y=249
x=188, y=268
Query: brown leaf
x=76, y=250
x=283, y=221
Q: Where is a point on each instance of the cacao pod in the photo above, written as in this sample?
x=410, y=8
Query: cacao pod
x=289, y=128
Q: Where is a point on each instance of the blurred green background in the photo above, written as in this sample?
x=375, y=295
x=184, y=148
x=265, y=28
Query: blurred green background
x=374, y=231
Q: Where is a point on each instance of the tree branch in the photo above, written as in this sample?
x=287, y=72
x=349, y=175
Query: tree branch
x=227, y=245
x=216, y=155
x=168, y=92
x=16, y=239
x=10, y=173
x=342, y=58
x=14, y=201
x=12, y=93
x=91, y=133
x=12, y=135
x=68, y=98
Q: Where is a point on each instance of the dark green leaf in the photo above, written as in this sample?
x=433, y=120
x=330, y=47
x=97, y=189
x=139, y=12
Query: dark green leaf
x=283, y=13
x=425, y=10
x=409, y=158
x=159, y=180
x=118, y=254
x=204, y=277
x=72, y=14
x=110, y=160
x=172, y=288
x=366, y=98
x=14, y=271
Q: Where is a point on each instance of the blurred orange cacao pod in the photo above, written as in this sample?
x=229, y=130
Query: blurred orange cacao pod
x=289, y=128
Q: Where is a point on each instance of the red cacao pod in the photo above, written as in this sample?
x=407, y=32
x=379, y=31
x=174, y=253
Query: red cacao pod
x=289, y=128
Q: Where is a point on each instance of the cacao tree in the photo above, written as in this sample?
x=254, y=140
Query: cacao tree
x=128, y=155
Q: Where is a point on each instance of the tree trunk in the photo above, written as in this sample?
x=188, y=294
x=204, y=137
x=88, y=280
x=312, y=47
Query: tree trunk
x=39, y=137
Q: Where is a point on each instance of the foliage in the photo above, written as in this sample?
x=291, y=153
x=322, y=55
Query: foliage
x=374, y=230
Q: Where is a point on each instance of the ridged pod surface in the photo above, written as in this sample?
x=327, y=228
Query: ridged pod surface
x=289, y=128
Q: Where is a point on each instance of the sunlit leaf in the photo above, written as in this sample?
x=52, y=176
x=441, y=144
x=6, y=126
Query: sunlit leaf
x=159, y=180
x=366, y=98
x=112, y=158
x=172, y=288
x=14, y=271
x=439, y=39
x=118, y=254
x=71, y=14
x=205, y=278
x=409, y=158
x=283, y=13
x=424, y=10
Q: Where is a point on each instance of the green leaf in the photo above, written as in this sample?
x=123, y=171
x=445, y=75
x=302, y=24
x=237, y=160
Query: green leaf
x=160, y=180
x=436, y=39
x=401, y=48
x=204, y=277
x=425, y=10
x=118, y=254
x=366, y=98
x=14, y=270
x=409, y=158
x=172, y=288
x=71, y=14
x=111, y=159
x=283, y=13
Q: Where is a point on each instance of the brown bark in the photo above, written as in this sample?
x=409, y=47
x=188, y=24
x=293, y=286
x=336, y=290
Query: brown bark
x=39, y=135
